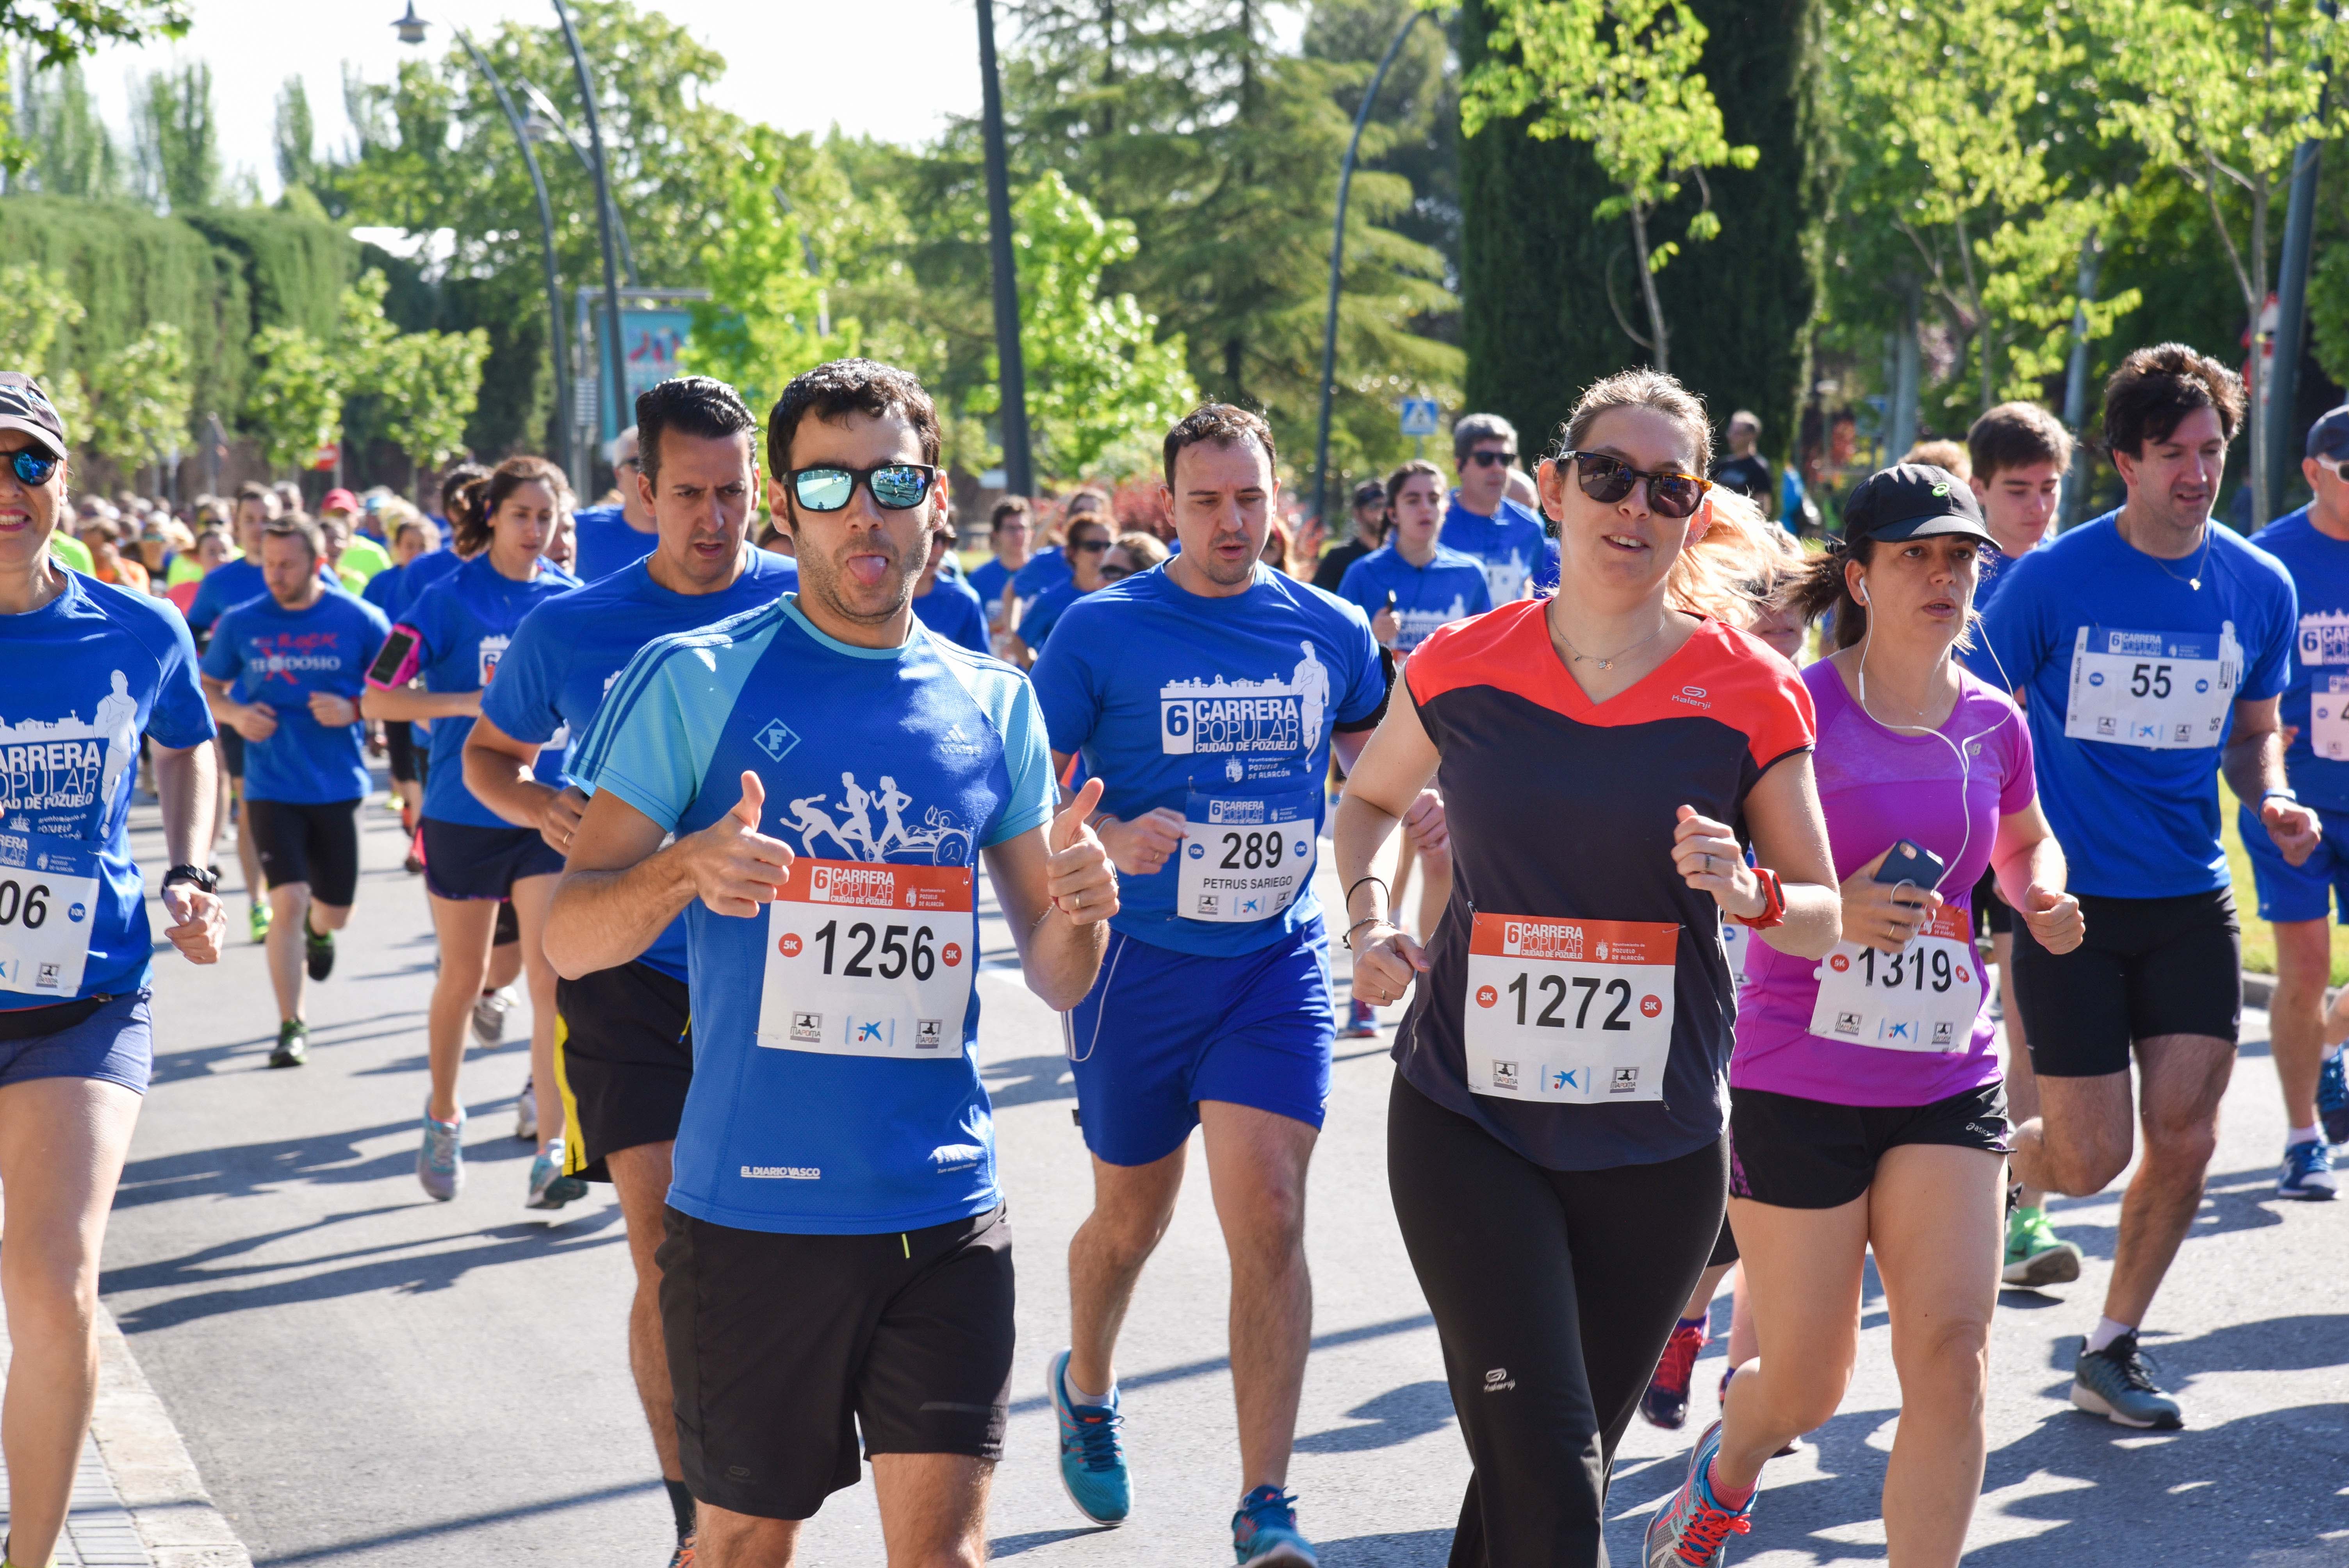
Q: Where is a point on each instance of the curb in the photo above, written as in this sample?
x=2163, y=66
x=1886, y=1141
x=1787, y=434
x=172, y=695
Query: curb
x=150, y=1467
x=2259, y=990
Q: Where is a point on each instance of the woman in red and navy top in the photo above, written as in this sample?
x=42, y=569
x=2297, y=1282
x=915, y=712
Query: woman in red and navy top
x=1554, y=1137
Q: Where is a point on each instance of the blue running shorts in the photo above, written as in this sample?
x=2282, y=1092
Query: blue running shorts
x=1163, y=1030
x=111, y=1042
x=2308, y=891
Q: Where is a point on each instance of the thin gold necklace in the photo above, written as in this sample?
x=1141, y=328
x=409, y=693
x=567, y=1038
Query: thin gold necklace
x=1609, y=662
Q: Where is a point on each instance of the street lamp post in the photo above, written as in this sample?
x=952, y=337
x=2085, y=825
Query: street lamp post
x=410, y=28
x=613, y=355
x=1337, y=268
x=1012, y=377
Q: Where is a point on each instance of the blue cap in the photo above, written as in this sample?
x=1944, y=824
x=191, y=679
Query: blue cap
x=2329, y=436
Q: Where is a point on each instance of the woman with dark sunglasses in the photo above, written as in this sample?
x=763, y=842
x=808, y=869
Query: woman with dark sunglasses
x=91, y=669
x=1555, y=1130
x=1087, y=545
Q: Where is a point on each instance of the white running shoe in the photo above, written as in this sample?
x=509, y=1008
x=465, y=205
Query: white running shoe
x=527, y=1111
x=489, y=1015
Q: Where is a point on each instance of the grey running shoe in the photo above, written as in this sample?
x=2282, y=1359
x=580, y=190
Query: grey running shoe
x=2115, y=1383
x=489, y=1015
x=526, y=1112
x=549, y=1187
x=440, y=1163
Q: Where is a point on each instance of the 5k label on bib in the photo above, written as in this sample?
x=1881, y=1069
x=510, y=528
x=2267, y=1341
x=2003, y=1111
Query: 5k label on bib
x=869, y=959
x=2159, y=691
x=1568, y=1012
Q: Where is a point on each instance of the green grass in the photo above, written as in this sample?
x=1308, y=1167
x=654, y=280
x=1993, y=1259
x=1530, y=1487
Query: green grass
x=2258, y=937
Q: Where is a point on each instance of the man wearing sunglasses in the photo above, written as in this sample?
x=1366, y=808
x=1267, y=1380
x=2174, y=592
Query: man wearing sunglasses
x=90, y=669
x=1507, y=537
x=1208, y=698
x=836, y=1256
x=2314, y=545
x=611, y=537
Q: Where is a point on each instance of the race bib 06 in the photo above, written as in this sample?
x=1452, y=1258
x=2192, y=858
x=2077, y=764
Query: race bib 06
x=1568, y=1012
x=2161, y=691
x=868, y=959
x=1922, y=998
x=1244, y=857
x=48, y=899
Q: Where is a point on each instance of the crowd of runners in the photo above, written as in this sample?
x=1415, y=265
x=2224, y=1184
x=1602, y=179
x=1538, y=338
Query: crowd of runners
x=717, y=797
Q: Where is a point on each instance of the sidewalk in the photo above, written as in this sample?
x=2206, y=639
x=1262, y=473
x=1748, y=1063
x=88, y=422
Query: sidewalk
x=137, y=1502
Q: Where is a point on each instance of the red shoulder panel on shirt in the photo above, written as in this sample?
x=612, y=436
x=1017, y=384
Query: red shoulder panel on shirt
x=1720, y=673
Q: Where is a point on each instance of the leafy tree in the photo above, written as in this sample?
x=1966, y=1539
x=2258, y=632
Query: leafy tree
x=295, y=138
x=143, y=396
x=62, y=146
x=34, y=306
x=1620, y=74
x=63, y=30
x=1100, y=382
x=432, y=382
x=296, y=403
x=2222, y=94
x=176, y=138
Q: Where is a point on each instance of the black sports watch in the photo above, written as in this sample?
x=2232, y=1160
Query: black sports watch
x=202, y=880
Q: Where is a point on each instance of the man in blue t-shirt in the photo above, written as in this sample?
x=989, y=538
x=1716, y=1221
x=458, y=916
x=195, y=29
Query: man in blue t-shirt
x=2314, y=545
x=836, y=1256
x=1509, y=537
x=946, y=605
x=90, y=669
x=286, y=671
x=1206, y=694
x=2152, y=647
x=623, y=1043
x=1007, y=539
x=610, y=537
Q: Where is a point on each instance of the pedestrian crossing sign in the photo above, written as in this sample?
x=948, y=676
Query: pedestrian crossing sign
x=1419, y=415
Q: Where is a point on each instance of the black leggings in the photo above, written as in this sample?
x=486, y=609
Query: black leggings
x=1553, y=1292
x=399, y=745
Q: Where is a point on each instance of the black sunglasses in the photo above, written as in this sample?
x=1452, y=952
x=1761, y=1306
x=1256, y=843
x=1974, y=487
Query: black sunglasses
x=1115, y=573
x=1090, y=546
x=1607, y=480
x=1487, y=460
x=34, y=468
x=894, y=487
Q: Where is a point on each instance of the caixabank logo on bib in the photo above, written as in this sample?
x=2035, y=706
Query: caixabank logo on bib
x=57, y=775
x=1280, y=715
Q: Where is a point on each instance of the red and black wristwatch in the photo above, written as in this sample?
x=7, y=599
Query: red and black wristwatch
x=1773, y=903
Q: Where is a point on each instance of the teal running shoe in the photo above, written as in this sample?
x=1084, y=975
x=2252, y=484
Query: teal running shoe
x=1092, y=1462
x=549, y=1187
x=441, y=1163
x=1265, y=1533
x=1692, y=1530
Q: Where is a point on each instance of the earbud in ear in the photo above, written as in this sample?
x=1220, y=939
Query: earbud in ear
x=1860, y=592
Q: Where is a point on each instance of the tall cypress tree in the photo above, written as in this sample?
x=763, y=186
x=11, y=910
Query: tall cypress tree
x=1537, y=270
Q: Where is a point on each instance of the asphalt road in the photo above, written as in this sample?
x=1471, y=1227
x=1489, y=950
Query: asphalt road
x=368, y=1377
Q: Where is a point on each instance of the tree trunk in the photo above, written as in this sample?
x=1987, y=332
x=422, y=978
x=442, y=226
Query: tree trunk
x=1656, y=331
x=2263, y=378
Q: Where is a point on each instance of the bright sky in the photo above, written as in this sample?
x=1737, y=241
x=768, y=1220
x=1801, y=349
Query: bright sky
x=802, y=65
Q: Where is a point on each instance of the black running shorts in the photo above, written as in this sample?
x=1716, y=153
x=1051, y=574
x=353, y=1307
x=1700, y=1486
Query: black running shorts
x=624, y=1057
x=1795, y=1153
x=782, y=1347
x=2148, y=968
x=1991, y=916
x=300, y=842
x=399, y=749
x=465, y=861
x=232, y=750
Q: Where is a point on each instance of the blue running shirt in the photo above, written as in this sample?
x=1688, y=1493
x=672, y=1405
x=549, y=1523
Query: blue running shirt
x=815, y=1108
x=1036, y=621
x=952, y=610
x=606, y=543
x=88, y=673
x=1449, y=587
x=272, y=654
x=231, y=583
x=567, y=653
x=1223, y=709
x=2318, y=758
x=382, y=590
x=987, y=579
x=2133, y=675
x=463, y=625
x=1047, y=568
x=1512, y=543
x=419, y=574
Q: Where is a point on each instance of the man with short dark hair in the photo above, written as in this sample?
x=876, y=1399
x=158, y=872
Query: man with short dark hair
x=1207, y=697
x=2017, y=454
x=2314, y=545
x=622, y=1040
x=1369, y=519
x=2153, y=647
x=1008, y=537
x=1511, y=540
x=825, y=773
x=611, y=537
x=284, y=670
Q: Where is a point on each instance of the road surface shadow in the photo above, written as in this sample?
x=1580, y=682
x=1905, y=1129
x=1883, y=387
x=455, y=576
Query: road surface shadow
x=244, y=1170
x=1401, y=1549
x=1395, y=1417
x=1027, y=1080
